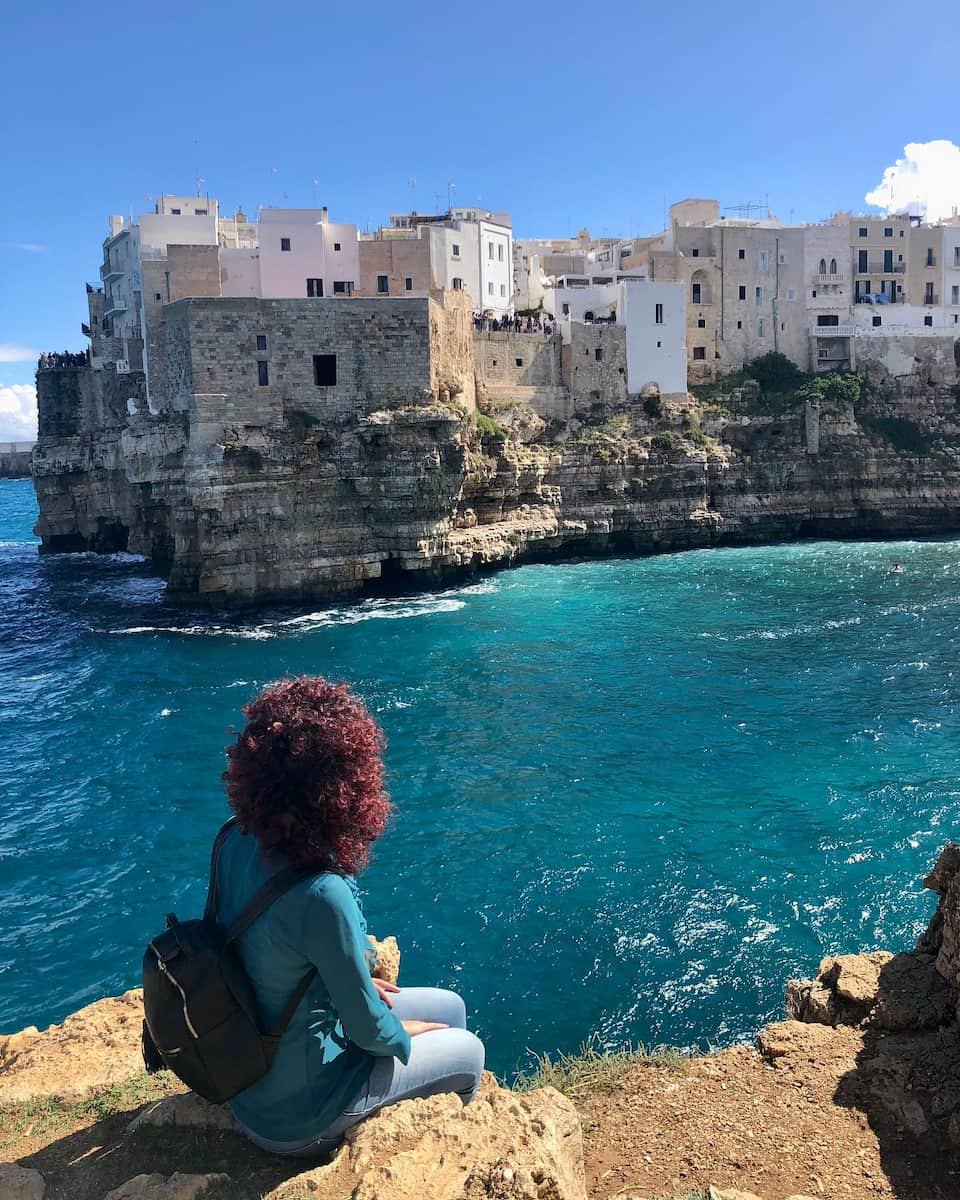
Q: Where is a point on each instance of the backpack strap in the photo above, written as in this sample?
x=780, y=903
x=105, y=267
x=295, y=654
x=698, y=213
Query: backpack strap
x=291, y=1005
x=264, y=896
x=261, y=900
x=210, y=908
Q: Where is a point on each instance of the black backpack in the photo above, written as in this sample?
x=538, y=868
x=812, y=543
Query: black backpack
x=201, y=1012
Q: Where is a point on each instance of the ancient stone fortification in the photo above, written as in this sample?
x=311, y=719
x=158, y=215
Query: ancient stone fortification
x=291, y=449
x=15, y=459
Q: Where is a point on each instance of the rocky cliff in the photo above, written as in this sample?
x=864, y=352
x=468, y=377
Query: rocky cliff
x=855, y=1095
x=293, y=502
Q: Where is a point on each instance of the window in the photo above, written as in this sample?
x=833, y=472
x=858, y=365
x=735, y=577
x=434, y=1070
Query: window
x=315, y=288
x=742, y=292
x=823, y=266
x=699, y=352
x=261, y=341
x=862, y=262
x=199, y=212
x=659, y=344
x=763, y=260
x=383, y=284
x=455, y=250
x=457, y=284
x=888, y=260
x=156, y=296
x=782, y=260
x=928, y=320
x=500, y=252
x=863, y=231
x=758, y=296
x=789, y=293
x=828, y=319
x=931, y=261
x=325, y=370
x=695, y=293
x=490, y=289
x=284, y=243
x=175, y=211
x=888, y=232
x=955, y=294
x=739, y=324
x=343, y=287
x=408, y=284
x=336, y=246
x=518, y=361
x=701, y=323
x=489, y=249
x=694, y=253
x=956, y=256
x=760, y=331
x=503, y=289
x=833, y=266
x=598, y=354
x=657, y=313
x=566, y=309
x=877, y=321
x=901, y=233
x=928, y=293
x=263, y=375
x=741, y=253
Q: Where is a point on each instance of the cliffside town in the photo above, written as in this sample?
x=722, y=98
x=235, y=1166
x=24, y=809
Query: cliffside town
x=264, y=416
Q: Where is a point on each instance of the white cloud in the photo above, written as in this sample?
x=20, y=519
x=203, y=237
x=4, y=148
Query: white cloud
x=926, y=181
x=12, y=352
x=18, y=412
x=30, y=247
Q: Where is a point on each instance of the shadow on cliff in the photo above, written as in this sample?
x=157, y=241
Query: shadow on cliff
x=90, y=1162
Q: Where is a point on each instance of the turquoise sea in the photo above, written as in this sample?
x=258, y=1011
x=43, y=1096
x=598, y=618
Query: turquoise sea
x=632, y=796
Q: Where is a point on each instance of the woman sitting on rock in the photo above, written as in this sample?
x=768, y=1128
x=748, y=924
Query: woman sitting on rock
x=305, y=779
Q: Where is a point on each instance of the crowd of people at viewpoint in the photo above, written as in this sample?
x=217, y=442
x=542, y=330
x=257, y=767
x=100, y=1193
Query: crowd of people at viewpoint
x=50, y=362
x=515, y=324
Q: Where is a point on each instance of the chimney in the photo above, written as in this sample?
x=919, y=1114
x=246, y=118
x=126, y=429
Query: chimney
x=323, y=215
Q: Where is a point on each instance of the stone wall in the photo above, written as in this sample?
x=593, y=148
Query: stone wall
x=595, y=366
x=15, y=459
x=506, y=359
x=399, y=259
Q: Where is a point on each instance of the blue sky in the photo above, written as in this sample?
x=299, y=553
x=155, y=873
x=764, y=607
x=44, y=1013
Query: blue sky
x=567, y=114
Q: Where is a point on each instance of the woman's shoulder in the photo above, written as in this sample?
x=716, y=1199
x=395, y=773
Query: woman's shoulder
x=329, y=887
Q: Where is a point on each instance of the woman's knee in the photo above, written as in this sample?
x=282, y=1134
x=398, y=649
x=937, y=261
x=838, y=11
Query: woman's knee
x=466, y=1059
x=431, y=1004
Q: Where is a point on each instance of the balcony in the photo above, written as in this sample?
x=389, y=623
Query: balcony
x=875, y=267
x=108, y=274
x=831, y=331
x=828, y=277
x=930, y=298
x=114, y=305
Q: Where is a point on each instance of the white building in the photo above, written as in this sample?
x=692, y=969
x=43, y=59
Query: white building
x=471, y=250
x=653, y=315
x=303, y=254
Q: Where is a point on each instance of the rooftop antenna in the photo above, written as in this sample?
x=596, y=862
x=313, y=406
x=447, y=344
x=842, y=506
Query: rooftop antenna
x=451, y=188
x=199, y=181
x=316, y=184
x=412, y=181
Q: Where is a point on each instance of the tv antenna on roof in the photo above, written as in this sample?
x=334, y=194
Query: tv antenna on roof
x=451, y=188
x=745, y=211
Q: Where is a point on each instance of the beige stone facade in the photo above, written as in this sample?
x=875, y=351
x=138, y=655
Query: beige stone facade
x=395, y=267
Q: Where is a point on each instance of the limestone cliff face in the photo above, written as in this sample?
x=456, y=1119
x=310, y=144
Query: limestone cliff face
x=294, y=503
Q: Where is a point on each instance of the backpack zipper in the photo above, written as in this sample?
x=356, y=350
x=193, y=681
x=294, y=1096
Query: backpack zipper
x=165, y=970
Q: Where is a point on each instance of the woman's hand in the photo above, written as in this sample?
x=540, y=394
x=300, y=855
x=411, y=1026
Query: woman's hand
x=415, y=1027
x=384, y=991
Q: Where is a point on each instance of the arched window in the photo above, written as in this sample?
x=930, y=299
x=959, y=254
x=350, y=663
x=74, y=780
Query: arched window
x=588, y=317
x=700, y=288
x=823, y=266
x=833, y=266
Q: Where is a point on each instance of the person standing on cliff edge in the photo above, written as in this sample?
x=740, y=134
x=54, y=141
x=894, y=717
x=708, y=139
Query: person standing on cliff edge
x=305, y=780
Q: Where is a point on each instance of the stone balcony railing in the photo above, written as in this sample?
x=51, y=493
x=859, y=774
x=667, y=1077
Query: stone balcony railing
x=829, y=277
x=832, y=331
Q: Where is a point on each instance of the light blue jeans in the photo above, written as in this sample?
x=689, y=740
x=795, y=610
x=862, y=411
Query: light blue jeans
x=443, y=1060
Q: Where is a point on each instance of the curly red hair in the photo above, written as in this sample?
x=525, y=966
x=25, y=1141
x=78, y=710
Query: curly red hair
x=305, y=775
